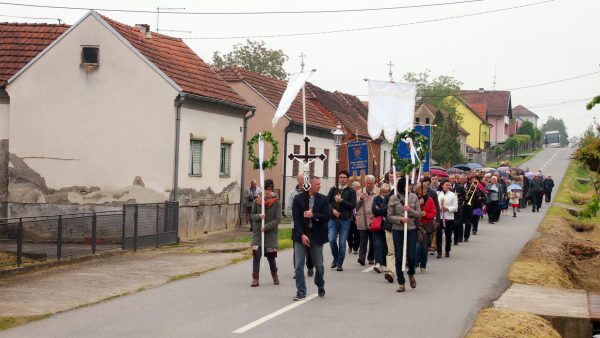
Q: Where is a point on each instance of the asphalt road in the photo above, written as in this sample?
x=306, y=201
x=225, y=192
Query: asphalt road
x=357, y=303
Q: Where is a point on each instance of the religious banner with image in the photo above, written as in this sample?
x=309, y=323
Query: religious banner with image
x=358, y=158
x=403, y=151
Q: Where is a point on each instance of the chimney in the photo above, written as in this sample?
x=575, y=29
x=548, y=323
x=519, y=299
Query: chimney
x=481, y=90
x=144, y=29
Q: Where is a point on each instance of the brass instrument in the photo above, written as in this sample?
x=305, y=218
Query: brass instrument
x=472, y=190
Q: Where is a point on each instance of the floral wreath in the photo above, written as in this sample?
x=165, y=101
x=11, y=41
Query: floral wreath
x=267, y=137
x=420, y=143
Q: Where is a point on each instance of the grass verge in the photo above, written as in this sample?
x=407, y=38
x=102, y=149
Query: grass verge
x=8, y=322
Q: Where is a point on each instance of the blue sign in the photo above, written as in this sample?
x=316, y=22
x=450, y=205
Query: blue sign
x=358, y=158
x=403, y=151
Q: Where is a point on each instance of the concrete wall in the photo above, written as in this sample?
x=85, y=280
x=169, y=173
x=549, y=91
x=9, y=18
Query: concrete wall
x=195, y=221
x=213, y=124
x=95, y=128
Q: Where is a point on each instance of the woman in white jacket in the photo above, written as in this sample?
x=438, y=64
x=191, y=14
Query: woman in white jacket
x=448, y=206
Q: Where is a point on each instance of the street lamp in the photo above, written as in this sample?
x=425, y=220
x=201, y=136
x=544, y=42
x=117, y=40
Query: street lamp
x=338, y=137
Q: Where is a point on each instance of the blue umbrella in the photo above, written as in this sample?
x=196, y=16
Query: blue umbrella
x=514, y=186
x=474, y=166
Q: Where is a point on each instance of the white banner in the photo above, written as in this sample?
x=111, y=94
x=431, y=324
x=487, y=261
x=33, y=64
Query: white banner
x=295, y=83
x=391, y=108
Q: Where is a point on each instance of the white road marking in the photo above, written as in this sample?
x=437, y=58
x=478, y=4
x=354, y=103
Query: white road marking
x=274, y=314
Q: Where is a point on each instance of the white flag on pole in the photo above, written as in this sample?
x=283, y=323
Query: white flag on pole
x=391, y=108
x=295, y=83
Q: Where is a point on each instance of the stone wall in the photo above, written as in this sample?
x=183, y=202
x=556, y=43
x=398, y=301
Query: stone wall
x=203, y=212
x=17, y=210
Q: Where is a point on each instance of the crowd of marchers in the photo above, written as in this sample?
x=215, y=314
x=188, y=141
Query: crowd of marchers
x=367, y=218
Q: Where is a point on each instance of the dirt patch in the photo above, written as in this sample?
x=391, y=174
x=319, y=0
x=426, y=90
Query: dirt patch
x=542, y=262
x=581, y=226
x=493, y=323
x=585, y=265
x=578, y=200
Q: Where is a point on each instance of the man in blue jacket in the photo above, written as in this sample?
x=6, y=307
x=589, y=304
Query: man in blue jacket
x=309, y=234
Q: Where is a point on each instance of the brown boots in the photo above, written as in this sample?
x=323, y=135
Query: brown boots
x=255, y=278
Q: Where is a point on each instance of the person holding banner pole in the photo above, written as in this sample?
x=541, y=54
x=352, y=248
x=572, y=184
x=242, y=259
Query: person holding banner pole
x=403, y=209
x=266, y=209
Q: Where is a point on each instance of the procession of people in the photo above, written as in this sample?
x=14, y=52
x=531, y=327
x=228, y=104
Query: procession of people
x=439, y=213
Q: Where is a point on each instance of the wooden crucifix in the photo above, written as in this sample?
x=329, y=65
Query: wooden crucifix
x=306, y=160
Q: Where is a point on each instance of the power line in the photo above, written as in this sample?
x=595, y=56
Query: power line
x=549, y=105
x=557, y=81
x=31, y=17
x=368, y=28
x=250, y=13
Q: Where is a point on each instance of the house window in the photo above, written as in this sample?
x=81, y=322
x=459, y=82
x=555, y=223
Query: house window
x=427, y=120
x=225, y=165
x=195, y=157
x=326, y=164
x=295, y=163
x=417, y=120
x=90, y=56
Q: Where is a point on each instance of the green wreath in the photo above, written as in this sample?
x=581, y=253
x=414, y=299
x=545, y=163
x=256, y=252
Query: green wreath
x=252, y=157
x=420, y=142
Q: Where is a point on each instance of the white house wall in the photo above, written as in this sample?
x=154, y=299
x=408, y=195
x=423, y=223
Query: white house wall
x=319, y=143
x=204, y=121
x=99, y=128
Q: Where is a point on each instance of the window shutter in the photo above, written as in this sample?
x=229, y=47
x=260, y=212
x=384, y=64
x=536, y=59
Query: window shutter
x=227, y=159
x=195, y=157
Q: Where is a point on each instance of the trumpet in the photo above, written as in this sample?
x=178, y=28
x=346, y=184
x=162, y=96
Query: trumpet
x=471, y=192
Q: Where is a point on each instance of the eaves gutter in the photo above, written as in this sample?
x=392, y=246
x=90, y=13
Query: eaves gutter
x=221, y=102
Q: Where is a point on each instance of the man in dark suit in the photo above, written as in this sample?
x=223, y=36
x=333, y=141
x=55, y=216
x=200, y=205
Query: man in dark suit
x=309, y=235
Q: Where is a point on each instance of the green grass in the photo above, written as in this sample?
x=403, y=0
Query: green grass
x=8, y=322
x=284, y=235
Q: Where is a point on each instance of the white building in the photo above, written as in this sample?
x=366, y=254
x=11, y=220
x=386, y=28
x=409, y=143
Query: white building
x=104, y=103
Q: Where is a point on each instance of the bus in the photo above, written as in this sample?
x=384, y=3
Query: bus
x=552, y=139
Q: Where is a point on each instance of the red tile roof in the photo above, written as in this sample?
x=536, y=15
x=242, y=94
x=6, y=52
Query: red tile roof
x=522, y=111
x=179, y=62
x=343, y=107
x=21, y=42
x=480, y=109
x=272, y=90
x=497, y=101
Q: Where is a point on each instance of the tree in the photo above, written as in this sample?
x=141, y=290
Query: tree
x=588, y=154
x=445, y=145
x=527, y=128
x=442, y=93
x=557, y=124
x=512, y=143
x=254, y=56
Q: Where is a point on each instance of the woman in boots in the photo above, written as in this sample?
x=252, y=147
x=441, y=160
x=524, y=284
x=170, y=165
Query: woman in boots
x=272, y=217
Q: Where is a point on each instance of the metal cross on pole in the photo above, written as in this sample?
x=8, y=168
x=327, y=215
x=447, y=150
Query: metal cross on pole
x=306, y=160
x=391, y=73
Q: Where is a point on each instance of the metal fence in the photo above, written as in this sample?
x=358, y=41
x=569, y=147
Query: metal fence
x=30, y=239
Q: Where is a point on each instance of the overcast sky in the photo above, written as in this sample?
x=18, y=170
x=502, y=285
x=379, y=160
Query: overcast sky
x=542, y=43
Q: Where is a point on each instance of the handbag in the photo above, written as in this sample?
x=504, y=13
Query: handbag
x=421, y=235
x=478, y=212
x=376, y=223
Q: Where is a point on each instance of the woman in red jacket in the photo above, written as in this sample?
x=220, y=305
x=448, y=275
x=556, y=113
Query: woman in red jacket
x=428, y=212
